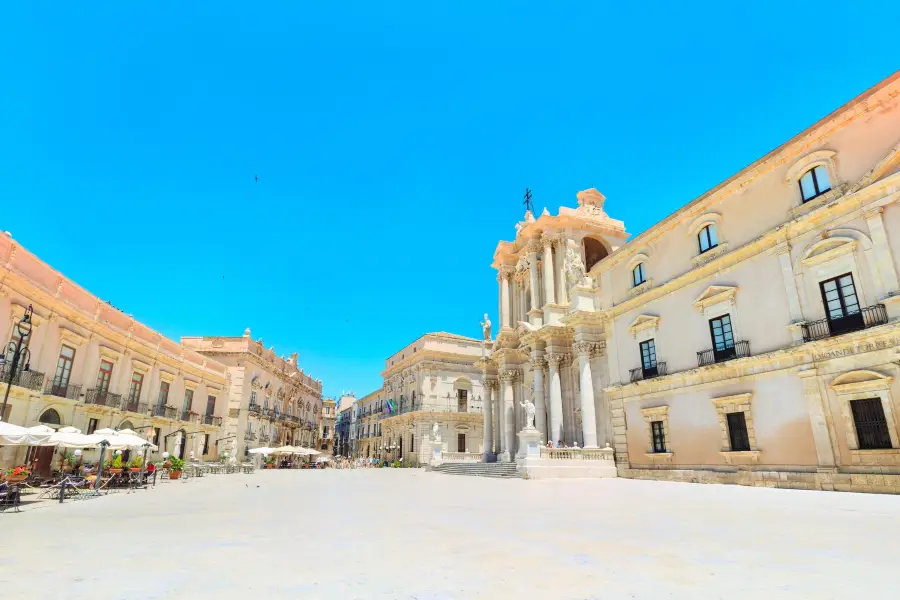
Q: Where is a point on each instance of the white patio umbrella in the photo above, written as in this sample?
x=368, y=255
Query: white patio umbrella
x=73, y=439
x=263, y=450
x=121, y=441
x=284, y=450
x=14, y=435
x=69, y=429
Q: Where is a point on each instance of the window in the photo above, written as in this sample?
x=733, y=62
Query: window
x=658, y=430
x=637, y=275
x=206, y=443
x=737, y=432
x=64, y=366
x=252, y=398
x=814, y=183
x=841, y=304
x=92, y=426
x=871, y=425
x=134, y=391
x=648, y=358
x=163, y=393
x=412, y=442
x=188, y=400
x=462, y=400
x=50, y=417
x=460, y=442
x=722, y=337
x=157, y=433
x=103, y=376
x=707, y=238
x=210, y=405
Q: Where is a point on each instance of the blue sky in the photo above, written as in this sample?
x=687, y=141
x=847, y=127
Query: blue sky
x=393, y=142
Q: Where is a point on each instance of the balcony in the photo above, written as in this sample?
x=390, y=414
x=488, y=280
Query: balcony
x=648, y=373
x=168, y=412
x=102, y=398
x=717, y=355
x=141, y=408
x=32, y=380
x=249, y=436
x=268, y=413
x=212, y=420
x=264, y=437
x=60, y=389
x=185, y=416
x=435, y=408
x=870, y=316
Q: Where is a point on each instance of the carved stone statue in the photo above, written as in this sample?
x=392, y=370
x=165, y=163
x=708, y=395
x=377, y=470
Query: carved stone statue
x=574, y=266
x=435, y=431
x=486, y=327
x=528, y=405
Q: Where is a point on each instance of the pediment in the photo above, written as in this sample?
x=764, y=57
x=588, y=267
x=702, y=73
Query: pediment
x=642, y=323
x=828, y=248
x=715, y=294
x=861, y=380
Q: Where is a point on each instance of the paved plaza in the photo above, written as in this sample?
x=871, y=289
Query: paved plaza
x=411, y=534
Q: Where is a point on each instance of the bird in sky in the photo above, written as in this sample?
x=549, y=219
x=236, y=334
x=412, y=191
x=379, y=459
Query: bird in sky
x=256, y=178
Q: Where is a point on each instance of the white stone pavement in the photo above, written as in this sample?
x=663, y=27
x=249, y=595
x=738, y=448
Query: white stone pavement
x=399, y=534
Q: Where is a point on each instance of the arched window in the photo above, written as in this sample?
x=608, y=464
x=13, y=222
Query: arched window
x=708, y=238
x=50, y=417
x=638, y=275
x=814, y=183
x=594, y=252
x=126, y=424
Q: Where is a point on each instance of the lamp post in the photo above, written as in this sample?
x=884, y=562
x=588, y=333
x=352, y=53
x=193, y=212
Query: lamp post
x=103, y=445
x=17, y=349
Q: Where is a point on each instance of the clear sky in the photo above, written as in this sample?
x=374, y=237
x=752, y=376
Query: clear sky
x=393, y=142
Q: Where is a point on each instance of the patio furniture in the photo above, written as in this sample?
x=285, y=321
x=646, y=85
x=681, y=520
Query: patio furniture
x=9, y=497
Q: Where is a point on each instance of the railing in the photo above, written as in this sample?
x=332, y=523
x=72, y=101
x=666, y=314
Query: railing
x=268, y=413
x=69, y=390
x=32, y=380
x=185, y=416
x=648, y=373
x=461, y=456
x=194, y=418
x=169, y=412
x=141, y=408
x=713, y=355
x=578, y=453
x=255, y=408
x=870, y=316
x=212, y=420
x=101, y=398
x=264, y=437
x=249, y=436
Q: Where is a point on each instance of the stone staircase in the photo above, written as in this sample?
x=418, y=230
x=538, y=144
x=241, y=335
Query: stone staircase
x=496, y=469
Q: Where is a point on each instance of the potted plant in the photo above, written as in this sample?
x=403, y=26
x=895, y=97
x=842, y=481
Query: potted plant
x=135, y=465
x=270, y=462
x=68, y=462
x=116, y=465
x=17, y=474
x=176, y=466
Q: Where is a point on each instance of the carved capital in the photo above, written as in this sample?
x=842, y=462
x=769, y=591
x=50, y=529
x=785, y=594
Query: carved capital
x=492, y=384
x=547, y=241
x=509, y=376
x=538, y=364
x=534, y=246
x=558, y=360
x=505, y=272
x=589, y=349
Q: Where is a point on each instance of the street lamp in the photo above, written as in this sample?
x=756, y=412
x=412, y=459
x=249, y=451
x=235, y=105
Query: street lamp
x=17, y=350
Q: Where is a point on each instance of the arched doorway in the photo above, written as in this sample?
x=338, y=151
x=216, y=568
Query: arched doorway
x=181, y=433
x=43, y=455
x=594, y=252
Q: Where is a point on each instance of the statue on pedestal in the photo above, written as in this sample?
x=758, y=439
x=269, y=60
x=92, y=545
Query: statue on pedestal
x=575, y=269
x=528, y=406
x=435, y=431
x=486, y=328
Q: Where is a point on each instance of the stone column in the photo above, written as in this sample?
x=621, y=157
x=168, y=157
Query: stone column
x=587, y=350
x=549, y=292
x=533, y=249
x=506, y=412
x=561, y=271
x=488, y=427
x=883, y=256
x=825, y=452
x=505, y=317
x=556, y=416
x=540, y=420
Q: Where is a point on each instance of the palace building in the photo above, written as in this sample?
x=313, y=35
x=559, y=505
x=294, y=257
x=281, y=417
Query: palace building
x=751, y=337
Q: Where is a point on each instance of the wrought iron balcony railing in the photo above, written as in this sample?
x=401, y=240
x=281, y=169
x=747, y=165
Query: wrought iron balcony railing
x=249, y=436
x=102, y=398
x=169, y=412
x=255, y=408
x=870, y=316
x=441, y=408
x=61, y=389
x=32, y=380
x=185, y=416
x=717, y=355
x=648, y=372
x=212, y=420
x=141, y=408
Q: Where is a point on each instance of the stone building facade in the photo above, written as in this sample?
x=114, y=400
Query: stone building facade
x=91, y=366
x=368, y=425
x=751, y=337
x=327, y=418
x=271, y=401
x=435, y=379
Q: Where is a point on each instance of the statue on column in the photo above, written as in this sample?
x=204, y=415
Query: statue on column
x=574, y=266
x=486, y=328
x=528, y=406
x=435, y=432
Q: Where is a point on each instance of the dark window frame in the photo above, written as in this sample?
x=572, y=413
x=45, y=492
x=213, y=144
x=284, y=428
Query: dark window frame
x=815, y=180
x=870, y=424
x=709, y=244
x=648, y=358
x=738, y=437
x=658, y=434
x=460, y=442
x=638, y=275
